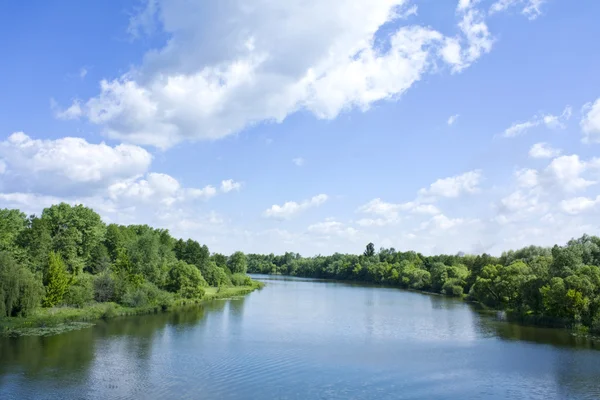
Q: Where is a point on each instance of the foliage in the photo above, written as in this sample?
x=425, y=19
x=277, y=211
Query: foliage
x=56, y=280
x=69, y=256
x=81, y=292
x=241, y=280
x=104, y=287
x=186, y=280
x=20, y=290
x=238, y=263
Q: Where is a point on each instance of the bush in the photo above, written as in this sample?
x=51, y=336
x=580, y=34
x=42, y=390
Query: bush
x=104, y=288
x=136, y=298
x=186, y=280
x=145, y=295
x=81, y=292
x=110, y=311
x=452, y=288
x=241, y=280
x=20, y=289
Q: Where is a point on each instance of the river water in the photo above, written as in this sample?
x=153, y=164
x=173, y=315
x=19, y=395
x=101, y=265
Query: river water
x=305, y=339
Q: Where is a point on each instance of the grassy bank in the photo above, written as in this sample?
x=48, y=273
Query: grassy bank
x=52, y=321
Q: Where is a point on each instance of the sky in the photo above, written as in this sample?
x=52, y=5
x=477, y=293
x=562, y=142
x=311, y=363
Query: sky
x=308, y=126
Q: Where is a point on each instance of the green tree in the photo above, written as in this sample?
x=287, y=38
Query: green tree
x=20, y=290
x=370, y=250
x=75, y=231
x=238, y=263
x=186, y=280
x=57, y=280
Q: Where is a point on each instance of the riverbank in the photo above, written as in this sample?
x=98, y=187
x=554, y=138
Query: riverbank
x=52, y=321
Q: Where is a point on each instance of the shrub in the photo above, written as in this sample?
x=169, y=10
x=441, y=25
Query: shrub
x=241, y=280
x=452, y=287
x=104, y=288
x=186, y=280
x=145, y=295
x=20, y=289
x=81, y=292
x=110, y=311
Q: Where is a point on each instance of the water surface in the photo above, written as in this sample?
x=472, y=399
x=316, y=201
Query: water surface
x=305, y=339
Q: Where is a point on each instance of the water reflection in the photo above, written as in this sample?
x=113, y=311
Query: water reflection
x=348, y=341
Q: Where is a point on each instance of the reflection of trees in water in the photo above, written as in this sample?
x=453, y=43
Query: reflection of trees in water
x=489, y=325
x=71, y=354
x=577, y=374
x=65, y=355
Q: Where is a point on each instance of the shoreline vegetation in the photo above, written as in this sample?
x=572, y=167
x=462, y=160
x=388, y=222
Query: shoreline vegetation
x=56, y=320
x=66, y=268
x=556, y=287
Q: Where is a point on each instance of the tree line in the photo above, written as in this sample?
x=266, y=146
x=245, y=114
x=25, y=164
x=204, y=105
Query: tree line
x=557, y=286
x=69, y=256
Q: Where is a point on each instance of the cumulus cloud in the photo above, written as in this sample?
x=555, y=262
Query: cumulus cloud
x=527, y=177
x=291, y=208
x=590, y=124
x=156, y=188
x=441, y=222
x=530, y=8
x=454, y=186
x=565, y=172
x=299, y=161
x=331, y=227
x=452, y=119
x=543, y=150
x=388, y=213
x=67, y=164
x=230, y=185
x=261, y=64
x=549, y=120
x=579, y=205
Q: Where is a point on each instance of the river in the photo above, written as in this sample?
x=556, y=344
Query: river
x=305, y=339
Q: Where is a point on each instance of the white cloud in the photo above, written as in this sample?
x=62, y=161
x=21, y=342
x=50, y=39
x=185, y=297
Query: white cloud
x=83, y=72
x=299, y=161
x=543, y=150
x=379, y=222
x=156, y=188
x=50, y=165
x=441, y=222
x=389, y=212
x=527, y=178
x=579, y=205
x=73, y=112
x=452, y=119
x=229, y=185
x=590, y=123
x=291, y=208
x=549, y=120
x=331, y=227
x=267, y=66
x=465, y=4
x=565, y=172
x=454, y=186
x=530, y=8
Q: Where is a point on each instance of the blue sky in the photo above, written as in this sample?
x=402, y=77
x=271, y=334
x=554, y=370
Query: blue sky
x=316, y=127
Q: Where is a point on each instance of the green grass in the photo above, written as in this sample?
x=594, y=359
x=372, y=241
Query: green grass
x=52, y=321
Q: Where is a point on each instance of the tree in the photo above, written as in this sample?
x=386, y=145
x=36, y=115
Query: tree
x=20, y=289
x=370, y=250
x=57, y=280
x=12, y=223
x=186, y=280
x=238, y=263
x=75, y=232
